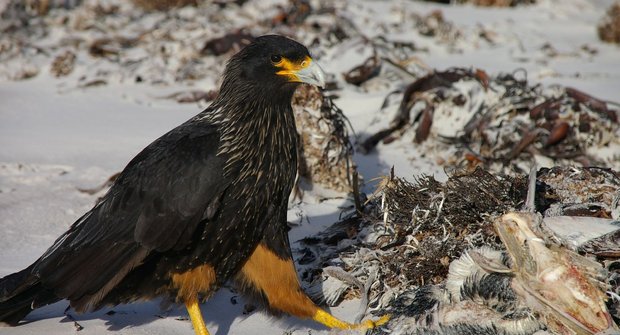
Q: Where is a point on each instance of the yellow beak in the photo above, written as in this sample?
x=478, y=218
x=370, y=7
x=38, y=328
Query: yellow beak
x=306, y=71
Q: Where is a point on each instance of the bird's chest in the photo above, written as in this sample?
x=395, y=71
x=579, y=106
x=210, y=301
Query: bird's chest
x=261, y=154
x=266, y=173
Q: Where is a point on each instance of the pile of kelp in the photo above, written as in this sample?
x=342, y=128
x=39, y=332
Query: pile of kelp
x=503, y=123
x=398, y=252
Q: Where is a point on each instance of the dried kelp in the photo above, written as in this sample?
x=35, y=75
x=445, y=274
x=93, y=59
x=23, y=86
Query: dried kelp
x=361, y=73
x=614, y=292
x=609, y=27
x=441, y=216
x=505, y=124
x=229, y=43
x=578, y=192
x=163, y=5
x=325, y=149
x=414, y=93
x=168, y=41
x=498, y=3
x=63, y=64
x=410, y=232
x=294, y=13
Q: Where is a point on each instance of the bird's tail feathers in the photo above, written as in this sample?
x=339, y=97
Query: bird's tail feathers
x=20, y=293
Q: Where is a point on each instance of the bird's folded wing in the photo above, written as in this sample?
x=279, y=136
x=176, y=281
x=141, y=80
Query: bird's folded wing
x=156, y=204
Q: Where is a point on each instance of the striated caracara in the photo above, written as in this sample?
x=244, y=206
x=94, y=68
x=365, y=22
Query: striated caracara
x=202, y=205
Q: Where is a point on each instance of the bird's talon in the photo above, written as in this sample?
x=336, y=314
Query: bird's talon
x=382, y=320
x=370, y=324
x=331, y=322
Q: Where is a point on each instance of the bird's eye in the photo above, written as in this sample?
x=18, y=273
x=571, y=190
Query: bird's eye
x=276, y=59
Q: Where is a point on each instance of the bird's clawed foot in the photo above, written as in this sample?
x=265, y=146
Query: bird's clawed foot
x=370, y=324
x=332, y=322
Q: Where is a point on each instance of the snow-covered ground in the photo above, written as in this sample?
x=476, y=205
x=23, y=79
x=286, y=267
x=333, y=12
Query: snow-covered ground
x=56, y=138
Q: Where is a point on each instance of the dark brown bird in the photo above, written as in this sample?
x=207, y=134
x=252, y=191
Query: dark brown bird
x=202, y=205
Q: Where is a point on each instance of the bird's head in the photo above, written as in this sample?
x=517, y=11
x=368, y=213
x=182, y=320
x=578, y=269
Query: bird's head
x=273, y=63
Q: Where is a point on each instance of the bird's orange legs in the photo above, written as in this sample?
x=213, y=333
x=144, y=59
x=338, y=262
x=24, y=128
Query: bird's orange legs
x=277, y=279
x=196, y=316
x=189, y=284
x=265, y=272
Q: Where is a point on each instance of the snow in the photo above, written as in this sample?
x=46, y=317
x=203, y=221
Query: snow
x=56, y=138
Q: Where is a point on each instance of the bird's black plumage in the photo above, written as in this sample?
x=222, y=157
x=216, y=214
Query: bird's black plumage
x=207, y=192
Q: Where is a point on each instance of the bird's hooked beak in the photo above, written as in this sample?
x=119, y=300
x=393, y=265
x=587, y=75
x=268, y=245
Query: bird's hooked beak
x=306, y=71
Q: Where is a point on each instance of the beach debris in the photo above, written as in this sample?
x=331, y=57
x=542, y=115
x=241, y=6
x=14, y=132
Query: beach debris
x=410, y=234
x=27, y=71
x=105, y=185
x=597, y=240
x=192, y=96
x=535, y=284
x=497, y=3
x=111, y=46
x=63, y=64
x=578, y=192
x=613, y=267
x=24, y=9
x=471, y=301
x=605, y=247
x=434, y=24
x=229, y=43
x=164, y=42
x=413, y=94
x=361, y=73
x=92, y=83
x=163, y=5
x=294, y=14
x=609, y=27
x=325, y=151
x=504, y=124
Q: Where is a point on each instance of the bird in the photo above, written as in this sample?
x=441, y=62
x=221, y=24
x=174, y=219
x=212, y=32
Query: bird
x=201, y=206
